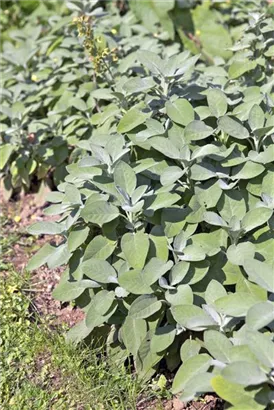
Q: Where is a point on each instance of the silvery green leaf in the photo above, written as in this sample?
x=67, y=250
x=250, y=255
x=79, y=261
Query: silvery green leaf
x=131, y=120
x=189, y=348
x=213, y=314
x=214, y=219
x=260, y=273
x=99, y=247
x=133, y=331
x=256, y=217
x=138, y=193
x=180, y=295
x=134, y=209
x=189, y=369
x=264, y=157
x=192, y=317
x=162, y=338
x=101, y=308
x=134, y=281
x=163, y=283
x=144, y=306
x=180, y=111
x=256, y=117
x=247, y=170
x=77, y=237
x=237, y=395
x=196, y=386
x=99, y=270
x=214, y=291
x=165, y=146
x=192, y=253
x=217, y=102
x=244, y=373
x=179, y=242
x=236, y=304
x=161, y=200
x=60, y=256
x=137, y=85
x=178, y=272
x=233, y=127
x=260, y=315
x=171, y=175
x=205, y=151
x=41, y=257
x=46, y=228
x=124, y=177
x=231, y=204
x=202, y=171
x=238, y=254
x=121, y=292
x=197, y=130
x=135, y=248
x=262, y=346
x=151, y=61
x=218, y=345
x=99, y=212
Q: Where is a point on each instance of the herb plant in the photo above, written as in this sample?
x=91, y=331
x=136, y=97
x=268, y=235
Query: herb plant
x=167, y=218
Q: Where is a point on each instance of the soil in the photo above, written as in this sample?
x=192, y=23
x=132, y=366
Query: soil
x=17, y=216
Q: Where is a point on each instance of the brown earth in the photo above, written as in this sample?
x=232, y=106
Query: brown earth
x=17, y=216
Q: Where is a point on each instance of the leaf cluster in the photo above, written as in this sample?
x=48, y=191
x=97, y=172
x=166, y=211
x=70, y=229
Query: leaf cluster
x=167, y=219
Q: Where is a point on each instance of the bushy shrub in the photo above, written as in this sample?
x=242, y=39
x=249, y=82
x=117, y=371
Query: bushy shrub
x=167, y=220
x=50, y=87
x=202, y=26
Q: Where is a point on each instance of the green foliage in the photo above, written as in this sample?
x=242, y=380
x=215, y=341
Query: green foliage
x=167, y=219
x=206, y=27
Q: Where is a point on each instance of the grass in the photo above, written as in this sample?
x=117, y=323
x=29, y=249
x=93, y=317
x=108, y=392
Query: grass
x=41, y=371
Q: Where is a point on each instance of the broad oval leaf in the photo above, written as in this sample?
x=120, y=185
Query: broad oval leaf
x=180, y=111
x=135, y=248
x=217, y=102
x=144, y=306
x=233, y=127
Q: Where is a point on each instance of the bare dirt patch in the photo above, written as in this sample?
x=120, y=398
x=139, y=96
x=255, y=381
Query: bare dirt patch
x=17, y=216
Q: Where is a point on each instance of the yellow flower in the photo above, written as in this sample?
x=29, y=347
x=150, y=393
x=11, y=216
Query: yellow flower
x=11, y=289
x=198, y=32
x=114, y=31
x=17, y=218
x=34, y=78
x=75, y=20
x=114, y=58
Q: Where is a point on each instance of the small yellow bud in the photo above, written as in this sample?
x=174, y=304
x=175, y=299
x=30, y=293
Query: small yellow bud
x=114, y=58
x=17, y=218
x=34, y=78
x=198, y=32
x=75, y=20
x=114, y=31
x=11, y=289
